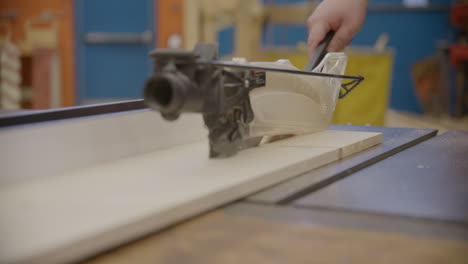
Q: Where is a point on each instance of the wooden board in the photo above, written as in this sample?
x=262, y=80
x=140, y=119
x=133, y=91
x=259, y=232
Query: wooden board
x=76, y=214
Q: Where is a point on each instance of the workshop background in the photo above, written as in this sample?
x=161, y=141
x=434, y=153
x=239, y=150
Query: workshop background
x=59, y=53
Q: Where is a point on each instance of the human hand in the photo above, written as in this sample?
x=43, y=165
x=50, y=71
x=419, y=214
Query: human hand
x=346, y=17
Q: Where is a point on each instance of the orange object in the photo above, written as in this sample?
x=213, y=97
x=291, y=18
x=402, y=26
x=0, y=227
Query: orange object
x=427, y=74
x=459, y=15
x=169, y=14
x=458, y=53
x=26, y=9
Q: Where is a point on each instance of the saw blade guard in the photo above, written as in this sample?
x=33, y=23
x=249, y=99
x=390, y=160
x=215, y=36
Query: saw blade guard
x=296, y=104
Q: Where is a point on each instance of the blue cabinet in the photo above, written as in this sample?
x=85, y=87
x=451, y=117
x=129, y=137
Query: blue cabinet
x=113, y=40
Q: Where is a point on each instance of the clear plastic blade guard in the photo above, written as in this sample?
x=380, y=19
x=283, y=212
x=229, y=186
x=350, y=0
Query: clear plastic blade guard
x=296, y=104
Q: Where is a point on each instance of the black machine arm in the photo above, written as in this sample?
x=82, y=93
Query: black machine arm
x=198, y=82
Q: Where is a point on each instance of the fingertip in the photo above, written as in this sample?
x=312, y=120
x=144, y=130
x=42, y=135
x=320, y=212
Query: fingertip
x=317, y=31
x=333, y=48
x=334, y=44
x=341, y=39
x=310, y=47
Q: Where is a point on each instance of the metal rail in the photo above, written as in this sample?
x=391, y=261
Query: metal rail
x=35, y=116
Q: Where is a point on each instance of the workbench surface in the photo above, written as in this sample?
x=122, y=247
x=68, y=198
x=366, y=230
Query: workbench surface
x=405, y=201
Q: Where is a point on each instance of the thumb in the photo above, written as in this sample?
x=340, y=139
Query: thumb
x=342, y=38
x=317, y=31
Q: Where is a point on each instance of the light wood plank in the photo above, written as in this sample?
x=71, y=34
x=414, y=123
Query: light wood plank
x=336, y=139
x=76, y=214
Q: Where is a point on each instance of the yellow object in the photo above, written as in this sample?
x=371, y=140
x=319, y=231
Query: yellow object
x=368, y=103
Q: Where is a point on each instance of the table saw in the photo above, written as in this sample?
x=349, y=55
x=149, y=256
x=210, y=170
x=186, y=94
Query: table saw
x=403, y=199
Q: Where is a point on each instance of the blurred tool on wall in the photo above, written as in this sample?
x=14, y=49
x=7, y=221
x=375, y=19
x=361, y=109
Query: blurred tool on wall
x=459, y=58
x=432, y=84
x=43, y=31
x=10, y=69
x=41, y=46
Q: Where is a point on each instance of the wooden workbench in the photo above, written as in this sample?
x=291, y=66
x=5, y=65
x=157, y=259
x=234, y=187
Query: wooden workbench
x=401, y=202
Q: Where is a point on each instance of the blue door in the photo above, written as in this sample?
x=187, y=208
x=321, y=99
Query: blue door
x=113, y=40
